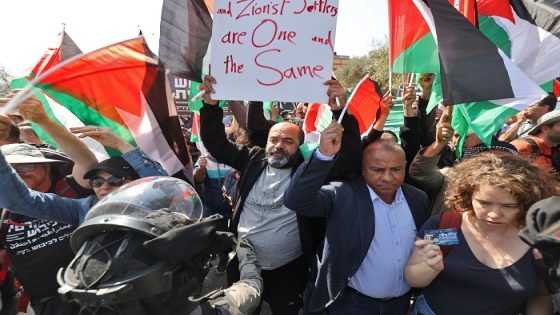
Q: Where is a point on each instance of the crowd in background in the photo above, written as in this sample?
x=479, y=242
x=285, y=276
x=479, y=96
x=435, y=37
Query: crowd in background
x=341, y=232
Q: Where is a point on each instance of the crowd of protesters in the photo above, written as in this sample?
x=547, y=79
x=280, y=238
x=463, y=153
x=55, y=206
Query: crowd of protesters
x=342, y=232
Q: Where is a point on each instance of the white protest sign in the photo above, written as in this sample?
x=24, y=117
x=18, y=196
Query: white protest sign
x=273, y=50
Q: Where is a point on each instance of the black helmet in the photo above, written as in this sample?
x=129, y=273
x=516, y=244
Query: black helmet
x=150, y=205
x=115, y=271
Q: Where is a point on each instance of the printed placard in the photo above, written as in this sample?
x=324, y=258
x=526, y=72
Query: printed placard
x=279, y=50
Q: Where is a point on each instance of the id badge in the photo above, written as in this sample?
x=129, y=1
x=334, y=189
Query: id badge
x=445, y=237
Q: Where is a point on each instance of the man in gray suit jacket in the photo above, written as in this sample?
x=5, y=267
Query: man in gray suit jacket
x=357, y=273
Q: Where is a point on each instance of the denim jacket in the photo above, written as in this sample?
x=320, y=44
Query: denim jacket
x=18, y=198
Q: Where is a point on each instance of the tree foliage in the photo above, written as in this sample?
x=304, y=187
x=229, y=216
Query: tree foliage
x=375, y=64
x=5, y=79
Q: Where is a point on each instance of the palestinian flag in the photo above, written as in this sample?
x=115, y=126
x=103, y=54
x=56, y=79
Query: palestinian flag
x=497, y=20
x=526, y=31
x=185, y=32
x=317, y=119
x=195, y=129
x=531, y=41
x=365, y=103
x=412, y=46
x=411, y=33
x=120, y=86
x=487, y=116
x=556, y=87
x=62, y=49
x=472, y=68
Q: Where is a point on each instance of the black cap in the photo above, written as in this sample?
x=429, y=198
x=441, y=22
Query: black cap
x=117, y=166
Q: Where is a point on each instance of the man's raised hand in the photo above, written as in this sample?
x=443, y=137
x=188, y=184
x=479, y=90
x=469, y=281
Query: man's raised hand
x=208, y=87
x=331, y=139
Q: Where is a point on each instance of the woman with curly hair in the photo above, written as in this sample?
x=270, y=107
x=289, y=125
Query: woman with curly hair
x=491, y=271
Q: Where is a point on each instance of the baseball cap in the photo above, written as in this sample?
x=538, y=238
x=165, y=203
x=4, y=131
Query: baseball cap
x=117, y=166
x=545, y=119
x=21, y=153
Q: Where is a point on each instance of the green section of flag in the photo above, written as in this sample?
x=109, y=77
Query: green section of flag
x=194, y=106
x=20, y=83
x=420, y=57
x=197, y=105
x=395, y=119
x=307, y=149
x=484, y=118
x=86, y=114
x=325, y=118
x=436, y=95
x=461, y=125
x=495, y=33
x=548, y=86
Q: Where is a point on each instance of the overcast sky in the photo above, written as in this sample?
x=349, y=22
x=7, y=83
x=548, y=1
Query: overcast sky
x=28, y=27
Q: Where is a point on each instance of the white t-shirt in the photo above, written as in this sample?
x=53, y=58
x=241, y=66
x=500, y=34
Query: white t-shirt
x=271, y=228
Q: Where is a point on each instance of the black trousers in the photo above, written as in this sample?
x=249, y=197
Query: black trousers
x=283, y=287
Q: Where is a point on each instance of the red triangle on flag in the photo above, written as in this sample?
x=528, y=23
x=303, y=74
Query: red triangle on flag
x=406, y=26
x=499, y=8
x=64, y=49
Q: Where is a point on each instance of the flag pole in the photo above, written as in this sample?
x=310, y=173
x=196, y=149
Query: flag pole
x=202, y=92
x=390, y=51
x=449, y=112
x=390, y=80
x=19, y=98
x=343, y=112
x=349, y=100
x=27, y=91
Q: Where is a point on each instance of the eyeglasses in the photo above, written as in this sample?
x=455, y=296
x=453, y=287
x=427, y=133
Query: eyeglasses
x=24, y=168
x=113, y=181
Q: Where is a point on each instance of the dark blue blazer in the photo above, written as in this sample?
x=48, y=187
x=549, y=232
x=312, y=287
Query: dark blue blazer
x=348, y=209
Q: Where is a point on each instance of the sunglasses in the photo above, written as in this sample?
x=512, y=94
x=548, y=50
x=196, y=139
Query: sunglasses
x=113, y=181
x=24, y=168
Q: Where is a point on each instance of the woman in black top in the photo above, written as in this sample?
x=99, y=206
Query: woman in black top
x=490, y=271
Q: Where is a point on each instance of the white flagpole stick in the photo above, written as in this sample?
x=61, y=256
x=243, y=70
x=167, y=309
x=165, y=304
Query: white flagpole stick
x=343, y=112
x=202, y=92
x=390, y=52
x=390, y=80
x=25, y=93
x=198, y=96
x=21, y=96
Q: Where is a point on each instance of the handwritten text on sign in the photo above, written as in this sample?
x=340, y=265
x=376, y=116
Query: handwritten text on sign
x=268, y=50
